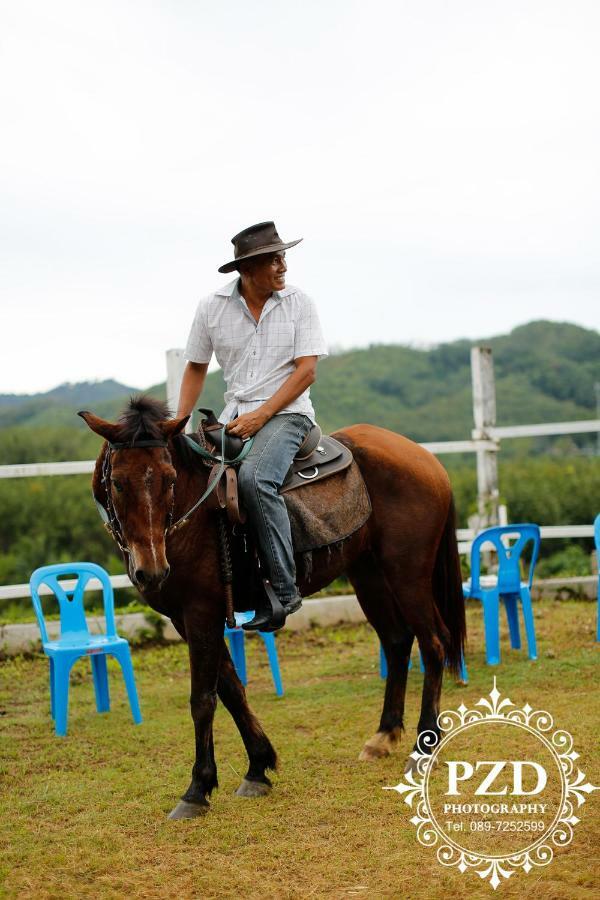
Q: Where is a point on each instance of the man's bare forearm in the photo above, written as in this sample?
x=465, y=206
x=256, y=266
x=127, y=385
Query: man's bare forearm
x=192, y=383
x=304, y=375
x=296, y=383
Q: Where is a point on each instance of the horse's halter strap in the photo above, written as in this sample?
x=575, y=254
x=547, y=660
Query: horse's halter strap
x=108, y=514
x=133, y=445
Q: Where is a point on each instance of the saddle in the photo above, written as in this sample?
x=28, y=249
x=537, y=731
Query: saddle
x=319, y=456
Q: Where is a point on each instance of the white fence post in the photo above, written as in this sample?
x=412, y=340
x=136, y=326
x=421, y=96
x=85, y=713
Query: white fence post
x=175, y=367
x=484, y=415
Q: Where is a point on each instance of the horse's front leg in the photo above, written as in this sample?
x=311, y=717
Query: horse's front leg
x=261, y=755
x=205, y=642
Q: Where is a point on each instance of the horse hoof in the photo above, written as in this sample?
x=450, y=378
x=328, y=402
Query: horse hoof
x=253, y=789
x=380, y=745
x=185, y=810
x=370, y=753
x=411, y=765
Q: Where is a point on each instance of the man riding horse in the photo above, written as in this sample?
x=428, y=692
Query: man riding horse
x=267, y=339
x=401, y=558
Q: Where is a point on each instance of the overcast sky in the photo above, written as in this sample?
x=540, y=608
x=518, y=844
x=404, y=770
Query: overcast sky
x=440, y=159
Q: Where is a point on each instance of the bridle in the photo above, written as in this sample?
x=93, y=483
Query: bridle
x=109, y=515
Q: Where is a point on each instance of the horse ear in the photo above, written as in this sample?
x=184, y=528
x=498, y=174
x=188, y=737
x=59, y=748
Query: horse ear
x=100, y=426
x=171, y=427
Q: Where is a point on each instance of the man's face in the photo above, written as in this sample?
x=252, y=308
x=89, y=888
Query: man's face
x=266, y=272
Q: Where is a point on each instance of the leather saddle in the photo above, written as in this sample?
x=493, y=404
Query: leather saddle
x=319, y=455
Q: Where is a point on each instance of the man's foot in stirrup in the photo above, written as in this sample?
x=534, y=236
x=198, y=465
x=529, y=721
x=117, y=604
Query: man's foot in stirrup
x=289, y=607
x=293, y=605
x=272, y=613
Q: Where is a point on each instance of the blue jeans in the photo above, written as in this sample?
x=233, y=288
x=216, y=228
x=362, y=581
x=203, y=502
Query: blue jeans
x=260, y=476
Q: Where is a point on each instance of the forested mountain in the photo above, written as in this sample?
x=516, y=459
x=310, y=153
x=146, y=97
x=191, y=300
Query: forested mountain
x=56, y=406
x=545, y=371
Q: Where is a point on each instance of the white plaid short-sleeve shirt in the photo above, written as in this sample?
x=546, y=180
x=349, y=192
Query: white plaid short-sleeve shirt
x=256, y=357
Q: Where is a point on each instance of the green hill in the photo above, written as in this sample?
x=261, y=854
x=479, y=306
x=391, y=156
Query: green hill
x=545, y=371
x=56, y=407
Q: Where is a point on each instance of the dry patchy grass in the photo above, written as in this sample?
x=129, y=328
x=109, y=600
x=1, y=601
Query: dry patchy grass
x=86, y=816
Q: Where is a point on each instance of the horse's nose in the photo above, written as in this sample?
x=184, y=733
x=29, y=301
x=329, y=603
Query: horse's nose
x=146, y=579
x=141, y=577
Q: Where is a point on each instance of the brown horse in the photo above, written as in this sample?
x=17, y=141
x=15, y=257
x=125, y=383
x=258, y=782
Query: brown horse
x=403, y=564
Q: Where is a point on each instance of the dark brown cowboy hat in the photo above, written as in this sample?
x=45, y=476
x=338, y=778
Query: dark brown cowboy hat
x=254, y=241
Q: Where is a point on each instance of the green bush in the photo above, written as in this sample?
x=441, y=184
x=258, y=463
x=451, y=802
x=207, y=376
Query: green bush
x=567, y=563
x=541, y=490
x=50, y=520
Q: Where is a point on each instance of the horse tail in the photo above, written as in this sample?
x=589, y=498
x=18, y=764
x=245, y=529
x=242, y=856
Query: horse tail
x=448, y=592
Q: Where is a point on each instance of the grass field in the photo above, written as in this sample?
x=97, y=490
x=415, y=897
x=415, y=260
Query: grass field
x=86, y=815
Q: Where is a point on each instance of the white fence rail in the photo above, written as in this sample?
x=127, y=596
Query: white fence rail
x=16, y=591
x=439, y=448
x=464, y=537
x=32, y=470
x=85, y=467
x=581, y=426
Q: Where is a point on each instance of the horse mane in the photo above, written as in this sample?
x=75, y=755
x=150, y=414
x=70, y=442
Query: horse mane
x=139, y=420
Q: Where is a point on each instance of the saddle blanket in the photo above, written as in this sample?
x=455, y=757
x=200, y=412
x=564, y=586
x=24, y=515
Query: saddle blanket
x=328, y=511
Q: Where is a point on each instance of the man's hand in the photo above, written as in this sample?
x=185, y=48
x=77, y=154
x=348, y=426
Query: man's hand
x=248, y=424
x=304, y=374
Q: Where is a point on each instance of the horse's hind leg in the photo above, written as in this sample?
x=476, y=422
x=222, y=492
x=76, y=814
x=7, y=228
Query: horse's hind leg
x=377, y=601
x=261, y=754
x=428, y=730
x=415, y=603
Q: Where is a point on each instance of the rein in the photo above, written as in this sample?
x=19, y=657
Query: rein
x=211, y=486
x=217, y=457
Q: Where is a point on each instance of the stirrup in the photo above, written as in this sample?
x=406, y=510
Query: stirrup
x=271, y=615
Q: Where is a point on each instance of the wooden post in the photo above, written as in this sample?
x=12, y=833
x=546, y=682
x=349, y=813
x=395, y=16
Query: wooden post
x=484, y=415
x=175, y=367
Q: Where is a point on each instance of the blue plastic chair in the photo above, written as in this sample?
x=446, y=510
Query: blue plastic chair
x=507, y=585
x=75, y=639
x=236, y=637
x=597, y=543
x=383, y=668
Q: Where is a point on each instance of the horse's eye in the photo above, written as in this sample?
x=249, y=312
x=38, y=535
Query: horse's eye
x=118, y=486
